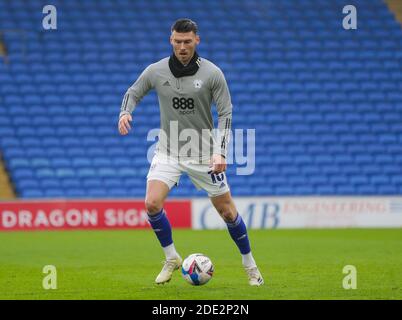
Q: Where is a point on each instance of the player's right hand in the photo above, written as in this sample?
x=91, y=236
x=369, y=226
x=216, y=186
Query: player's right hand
x=124, y=124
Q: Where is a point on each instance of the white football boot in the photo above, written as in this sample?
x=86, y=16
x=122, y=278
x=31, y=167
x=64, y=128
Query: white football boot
x=168, y=267
x=254, y=276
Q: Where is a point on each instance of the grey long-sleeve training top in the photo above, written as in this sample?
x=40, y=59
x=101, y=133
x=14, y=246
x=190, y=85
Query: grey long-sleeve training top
x=185, y=109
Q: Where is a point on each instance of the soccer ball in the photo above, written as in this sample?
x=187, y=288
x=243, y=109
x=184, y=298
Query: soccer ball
x=197, y=269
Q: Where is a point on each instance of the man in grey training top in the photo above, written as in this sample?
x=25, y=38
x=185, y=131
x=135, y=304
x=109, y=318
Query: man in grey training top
x=187, y=85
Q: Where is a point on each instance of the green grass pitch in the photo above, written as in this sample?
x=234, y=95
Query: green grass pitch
x=296, y=264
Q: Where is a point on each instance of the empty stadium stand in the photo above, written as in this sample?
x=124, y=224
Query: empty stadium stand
x=326, y=102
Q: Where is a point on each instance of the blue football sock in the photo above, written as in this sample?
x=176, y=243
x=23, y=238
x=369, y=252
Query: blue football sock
x=161, y=226
x=238, y=232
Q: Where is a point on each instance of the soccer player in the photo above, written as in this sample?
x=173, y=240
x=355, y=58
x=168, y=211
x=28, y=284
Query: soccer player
x=187, y=85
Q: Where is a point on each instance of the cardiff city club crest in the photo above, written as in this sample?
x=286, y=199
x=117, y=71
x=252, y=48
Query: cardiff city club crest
x=197, y=84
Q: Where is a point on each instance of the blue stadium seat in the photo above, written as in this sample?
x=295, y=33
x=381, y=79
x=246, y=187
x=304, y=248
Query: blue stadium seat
x=28, y=184
x=83, y=172
x=31, y=193
x=54, y=193
x=50, y=183
x=97, y=192
x=91, y=182
x=19, y=163
x=75, y=192
x=71, y=183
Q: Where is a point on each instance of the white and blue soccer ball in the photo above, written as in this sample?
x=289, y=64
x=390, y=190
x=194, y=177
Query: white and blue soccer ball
x=197, y=269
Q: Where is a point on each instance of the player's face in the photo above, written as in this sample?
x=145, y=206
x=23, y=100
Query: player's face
x=184, y=45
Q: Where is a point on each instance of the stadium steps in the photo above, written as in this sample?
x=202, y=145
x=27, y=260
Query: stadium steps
x=6, y=189
x=395, y=6
x=3, y=50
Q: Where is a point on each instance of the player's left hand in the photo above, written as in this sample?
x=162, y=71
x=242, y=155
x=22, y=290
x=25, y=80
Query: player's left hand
x=217, y=163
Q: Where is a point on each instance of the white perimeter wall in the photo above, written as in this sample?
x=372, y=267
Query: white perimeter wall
x=305, y=212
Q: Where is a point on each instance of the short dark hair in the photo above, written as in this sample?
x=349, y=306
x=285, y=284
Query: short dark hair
x=185, y=25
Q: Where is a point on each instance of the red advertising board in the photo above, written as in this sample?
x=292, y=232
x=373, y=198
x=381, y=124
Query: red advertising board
x=102, y=214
